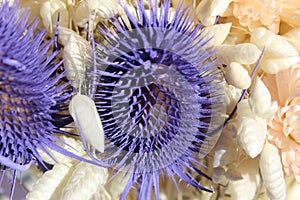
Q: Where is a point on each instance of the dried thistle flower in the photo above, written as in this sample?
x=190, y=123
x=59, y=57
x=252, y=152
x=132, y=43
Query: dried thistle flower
x=32, y=95
x=159, y=95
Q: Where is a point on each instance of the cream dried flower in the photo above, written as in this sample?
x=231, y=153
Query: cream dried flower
x=266, y=13
x=283, y=127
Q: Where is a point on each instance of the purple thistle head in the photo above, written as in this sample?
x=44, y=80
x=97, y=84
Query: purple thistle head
x=159, y=94
x=32, y=94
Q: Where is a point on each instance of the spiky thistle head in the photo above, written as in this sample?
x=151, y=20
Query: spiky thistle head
x=32, y=95
x=159, y=95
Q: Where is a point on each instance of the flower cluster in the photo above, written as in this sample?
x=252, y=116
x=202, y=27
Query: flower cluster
x=155, y=81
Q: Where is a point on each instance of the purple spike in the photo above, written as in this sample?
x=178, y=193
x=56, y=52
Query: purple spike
x=159, y=95
x=32, y=97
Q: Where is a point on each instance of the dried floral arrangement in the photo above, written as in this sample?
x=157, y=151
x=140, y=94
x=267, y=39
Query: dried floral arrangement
x=154, y=99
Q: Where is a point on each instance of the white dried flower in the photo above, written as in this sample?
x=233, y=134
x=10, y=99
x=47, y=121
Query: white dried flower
x=49, y=183
x=84, y=112
x=279, y=53
x=275, y=45
x=272, y=173
x=232, y=95
x=208, y=10
x=75, y=48
x=246, y=188
x=252, y=130
x=292, y=188
x=49, y=13
x=293, y=36
x=274, y=65
x=244, y=53
x=87, y=175
x=216, y=34
x=260, y=100
x=237, y=76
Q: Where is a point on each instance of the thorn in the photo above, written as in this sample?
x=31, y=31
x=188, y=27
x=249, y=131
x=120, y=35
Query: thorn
x=56, y=34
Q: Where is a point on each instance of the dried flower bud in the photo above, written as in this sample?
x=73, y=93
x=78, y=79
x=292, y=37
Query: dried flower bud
x=244, y=53
x=252, y=131
x=260, y=100
x=208, y=10
x=49, y=13
x=237, y=76
x=272, y=173
x=275, y=46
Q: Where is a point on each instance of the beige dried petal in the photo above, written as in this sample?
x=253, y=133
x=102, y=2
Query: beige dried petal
x=84, y=182
x=237, y=76
x=82, y=13
x=208, y=10
x=49, y=183
x=292, y=188
x=75, y=49
x=250, y=182
x=260, y=97
x=102, y=194
x=104, y=9
x=84, y=112
x=272, y=173
x=260, y=100
x=252, y=130
x=217, y=34
x=244, y=53
x=274, y=65
x=275, y=46
x=293, y=36
x=49, y=13
x=232, y=95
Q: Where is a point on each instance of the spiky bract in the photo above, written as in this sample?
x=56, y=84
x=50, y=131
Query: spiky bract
x=158, y=93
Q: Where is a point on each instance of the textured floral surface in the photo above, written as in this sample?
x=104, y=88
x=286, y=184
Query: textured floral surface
x=242, y=160
x=31, y=96
x=157, y=91
x=284, y=126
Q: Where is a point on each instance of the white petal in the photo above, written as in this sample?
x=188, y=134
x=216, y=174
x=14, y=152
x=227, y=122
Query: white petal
x=207, y=10
x=244, y=53
x=246, y=188
x=274, y=65
x=232, y=95
x=49, y=183
x=49, y=12
x=105, y=9
x=293, y=36
x=252, y=130
x=237, y=76
x=276, y=46
x=87, y=120
x=84, y=182
x=75, y=49
x=260, y=97
x=293, y=188
x=272, y=173
x=216, y=33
